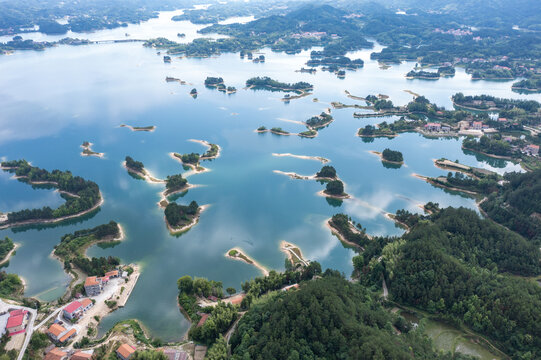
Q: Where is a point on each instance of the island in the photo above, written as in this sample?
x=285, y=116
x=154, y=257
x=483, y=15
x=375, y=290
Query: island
x=390, y=156
x=319, y=121
x=192, y=160
x=138, y=169
x=421, y=74
x=87, y=150
x=266, y=83
x=181, y=218
x=193, y=93
x=173, y=79
x=139, y=128
x=312, y=125
x=82, y=196
x=71, y=250
x=218, y=83
x=532, y=85
x=238, y=254
x=335, y=189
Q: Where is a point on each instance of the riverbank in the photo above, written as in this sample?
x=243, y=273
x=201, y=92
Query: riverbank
x=10, y=253
x=87, y=150
x=182, y=229
x=237, y=253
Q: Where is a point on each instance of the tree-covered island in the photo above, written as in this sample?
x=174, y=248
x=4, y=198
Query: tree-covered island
x=81, y=196
x=180, y=218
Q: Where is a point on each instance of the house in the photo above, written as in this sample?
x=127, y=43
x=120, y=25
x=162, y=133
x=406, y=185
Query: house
x=56, y=354
x=203, y=319
x=15, y=323
x=532, y=150
x=445, y=129
x=79, y=355
x=86, y=304
x=73, y=310
x=55, y=331
x=68, y=335
x=433, y=127
x=502, y=119
x=212, y=298
x=477, y=125
x=93, y=286
x=112, y=274
x=125, y=351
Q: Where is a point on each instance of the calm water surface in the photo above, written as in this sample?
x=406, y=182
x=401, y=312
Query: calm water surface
x=54, y=100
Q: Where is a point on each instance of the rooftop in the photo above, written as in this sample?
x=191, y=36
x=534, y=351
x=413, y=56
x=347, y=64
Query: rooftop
x=85, y=302
x=125, y=350
x=72, y=307
x=67, y=335
x=91, y=281
x=55, y=354
x=14, y=321
x=79, y=355
x=56, y=329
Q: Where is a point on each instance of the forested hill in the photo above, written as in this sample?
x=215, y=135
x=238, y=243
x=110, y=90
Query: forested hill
x=327, y=318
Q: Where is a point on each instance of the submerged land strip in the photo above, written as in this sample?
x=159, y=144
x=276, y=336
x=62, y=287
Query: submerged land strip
x=304, y=157
x=139, y=128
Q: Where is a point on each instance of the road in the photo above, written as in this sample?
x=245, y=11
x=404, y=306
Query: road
x=48, y=318
x=385, y=291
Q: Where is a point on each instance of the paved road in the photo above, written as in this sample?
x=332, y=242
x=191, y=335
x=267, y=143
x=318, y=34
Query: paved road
x=54, y=313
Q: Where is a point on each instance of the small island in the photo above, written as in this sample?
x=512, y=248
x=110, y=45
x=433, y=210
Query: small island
x=312, y=126
x=193, y=93
x=335, y=189
x=173, y=79
x=319, y=121
x=421, y=74
x=139, y=128
x=137, y=168
x=181, y=218
x=327, y=172
x=87, y=150
x=390, y=156
x=218, y=83
x=81, y=196
x=238, y=254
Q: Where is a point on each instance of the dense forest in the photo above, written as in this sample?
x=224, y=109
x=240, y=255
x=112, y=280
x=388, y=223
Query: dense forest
x=6, y=246
x=518, y=204
x=327, y=318
x=80, y=194
x=392, y=155
x=134, y=165
x=266, y=83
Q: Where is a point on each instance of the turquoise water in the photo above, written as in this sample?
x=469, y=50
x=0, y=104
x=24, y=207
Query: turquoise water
x=54, y=100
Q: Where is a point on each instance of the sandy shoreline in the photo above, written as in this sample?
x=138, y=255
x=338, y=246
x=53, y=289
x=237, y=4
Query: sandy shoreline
x=304, y=157
x=339, y=197
x=164, y=195
x=208, y=145
x=335, y=232
x=348, y=94
x=443, y=186
x=186, y=227
x=287, y=248
x=263, y=269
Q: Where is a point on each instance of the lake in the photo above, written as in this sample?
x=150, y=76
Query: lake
x=54, y=100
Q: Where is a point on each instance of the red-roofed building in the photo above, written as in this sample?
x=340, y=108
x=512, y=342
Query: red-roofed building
x=68, y=335
x=73, y=310
x=79, y=355
x=203, y=319
x=56, y=354
x=532, y=150
x=433, y=127
x=125, y=351
x=477, y=125
x=55, y=331
x=93, y=286
x=86, y=304
x=112, y=274
x=15, y=324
